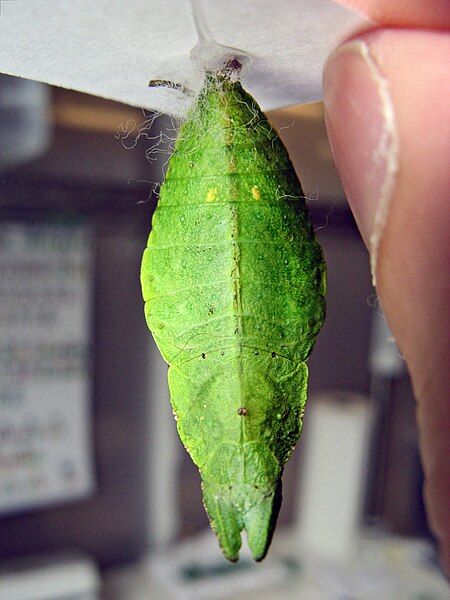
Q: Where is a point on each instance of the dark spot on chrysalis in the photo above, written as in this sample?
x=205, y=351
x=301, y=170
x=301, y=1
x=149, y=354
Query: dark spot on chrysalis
x=203, y=355
x=242, y=411
x=273, y=354
x=234, y=64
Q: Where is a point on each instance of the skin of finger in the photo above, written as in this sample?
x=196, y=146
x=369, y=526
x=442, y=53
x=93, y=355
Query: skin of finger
x=403, y=13
x=414, y=254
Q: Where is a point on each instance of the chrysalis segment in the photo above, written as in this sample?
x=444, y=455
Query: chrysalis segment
x=234, y=281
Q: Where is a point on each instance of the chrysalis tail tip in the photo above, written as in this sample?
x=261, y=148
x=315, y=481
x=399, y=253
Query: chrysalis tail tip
x=260, y=522
x=227, y=521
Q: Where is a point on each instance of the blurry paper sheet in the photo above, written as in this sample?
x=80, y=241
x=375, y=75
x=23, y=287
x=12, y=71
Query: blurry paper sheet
x=112, y=48
x=45, y=453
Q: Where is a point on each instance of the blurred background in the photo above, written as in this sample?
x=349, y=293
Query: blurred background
x=98, y=498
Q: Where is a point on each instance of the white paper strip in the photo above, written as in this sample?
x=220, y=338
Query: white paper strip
x=112, y=48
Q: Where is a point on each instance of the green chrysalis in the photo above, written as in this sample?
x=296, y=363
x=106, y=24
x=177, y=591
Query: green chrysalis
x=233, y=281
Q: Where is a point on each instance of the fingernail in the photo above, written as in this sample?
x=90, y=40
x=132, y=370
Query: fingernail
x=361, y=127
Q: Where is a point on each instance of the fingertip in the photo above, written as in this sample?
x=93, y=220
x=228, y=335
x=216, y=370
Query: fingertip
x=387, y=122
x=361, y=126
x=407, y=229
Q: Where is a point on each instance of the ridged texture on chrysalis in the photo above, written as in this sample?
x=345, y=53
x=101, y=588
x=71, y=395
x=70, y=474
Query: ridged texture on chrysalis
x=234, y=281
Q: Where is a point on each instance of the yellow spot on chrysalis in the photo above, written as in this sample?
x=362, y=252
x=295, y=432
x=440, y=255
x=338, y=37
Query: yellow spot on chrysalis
x=255, y=193
x=211, y=195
